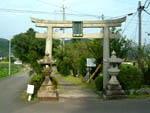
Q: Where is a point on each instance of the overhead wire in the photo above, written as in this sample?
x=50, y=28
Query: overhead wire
x=128, y=23
x=147, y=12
x=47, y=13
x=39, y=12
x=25, y=11
x=48, y=3
x=134, y=33
x=145, y=2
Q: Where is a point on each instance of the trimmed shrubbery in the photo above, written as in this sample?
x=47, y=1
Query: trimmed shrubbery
x=146, y=76
x=37, y=81
x=54, y=81
x=99, y=83
x=129, y=77
x=63, y=66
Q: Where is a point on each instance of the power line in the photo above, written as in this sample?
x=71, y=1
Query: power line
x=147, y=4
x=40, y=12
x=53, y=13
x=129, y=23
x=84, y=14
x=138, y=23
x=128, y=14
x=137, y=20
x=48, y=3
x=26, y=11
x=147, y=12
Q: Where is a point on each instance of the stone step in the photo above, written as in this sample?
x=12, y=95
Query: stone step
x=114, y=97
x=115, y=92
x=114, y=87
x=47, y=96
x=47, y=88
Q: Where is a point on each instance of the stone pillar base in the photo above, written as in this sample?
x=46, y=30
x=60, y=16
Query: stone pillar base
x=47, y=92
x=114, y=92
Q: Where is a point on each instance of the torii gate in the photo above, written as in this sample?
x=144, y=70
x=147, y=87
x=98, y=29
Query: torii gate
x=105, y=24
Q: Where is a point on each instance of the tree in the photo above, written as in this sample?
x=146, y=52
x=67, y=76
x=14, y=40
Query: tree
x=30, y=49
x=121, y=45
x=95, y=47
x=4, y=47
x=75, y=52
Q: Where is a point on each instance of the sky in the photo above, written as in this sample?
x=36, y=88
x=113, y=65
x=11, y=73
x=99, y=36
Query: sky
x=12, y=22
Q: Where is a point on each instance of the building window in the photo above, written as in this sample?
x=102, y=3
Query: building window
x=77, y=29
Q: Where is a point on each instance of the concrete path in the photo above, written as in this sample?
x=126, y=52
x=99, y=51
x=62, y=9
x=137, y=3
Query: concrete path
x=11, y=89
x=70, y=90
x=10, y=102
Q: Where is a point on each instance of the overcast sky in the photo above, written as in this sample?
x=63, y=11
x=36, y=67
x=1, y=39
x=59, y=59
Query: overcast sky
x=12, y=23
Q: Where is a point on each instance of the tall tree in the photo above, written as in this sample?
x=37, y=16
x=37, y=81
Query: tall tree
x=30, y=49
x=121, y=45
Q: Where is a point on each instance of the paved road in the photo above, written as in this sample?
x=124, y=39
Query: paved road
x=70, y=90
x=12, y=87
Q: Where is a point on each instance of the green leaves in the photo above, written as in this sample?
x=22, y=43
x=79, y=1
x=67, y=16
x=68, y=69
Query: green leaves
x=28, y=48
x=4, y=69
x=129, y=77
x=121, y=46
x=4, y=47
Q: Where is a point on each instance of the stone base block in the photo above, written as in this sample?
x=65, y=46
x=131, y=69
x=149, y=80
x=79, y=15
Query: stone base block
x=114, y=92
x=114, y=87
x=111, y=97
x=48, y=96
x=47, y=92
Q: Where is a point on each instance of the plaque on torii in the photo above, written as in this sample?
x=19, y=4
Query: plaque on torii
x=105, y=33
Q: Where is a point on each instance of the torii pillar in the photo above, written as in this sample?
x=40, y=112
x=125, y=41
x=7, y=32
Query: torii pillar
x=48, y=48
x=105, y=24
x=106, y=55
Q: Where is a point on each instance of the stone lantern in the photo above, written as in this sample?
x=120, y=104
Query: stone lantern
x=47, y=91
x=114, y=89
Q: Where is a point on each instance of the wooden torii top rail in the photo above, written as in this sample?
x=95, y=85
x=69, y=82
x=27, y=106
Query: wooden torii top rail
x=86, y=24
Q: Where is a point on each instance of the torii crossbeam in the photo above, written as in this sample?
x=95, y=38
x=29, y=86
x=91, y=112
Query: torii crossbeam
x=105, y=24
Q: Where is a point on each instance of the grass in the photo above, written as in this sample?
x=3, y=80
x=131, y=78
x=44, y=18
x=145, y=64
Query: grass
x=59, y=86
x=24, y=96
x=4, y=69
x=139, y=96
x=77, y=81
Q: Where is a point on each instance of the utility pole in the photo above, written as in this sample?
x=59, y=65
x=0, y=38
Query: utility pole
x=9, y=68
x=63, y=43
x=102, y=17
x=140, y=9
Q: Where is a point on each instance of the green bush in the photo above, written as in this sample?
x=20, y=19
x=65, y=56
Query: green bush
x=129, y=77
x=83, y=67
x=146, y=73
x=37, y=81
x=63, y=66
x=54, y=81
x=99, y=83
x=147, y=78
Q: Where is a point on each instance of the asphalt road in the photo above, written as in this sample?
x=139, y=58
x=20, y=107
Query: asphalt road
x=10, y=102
